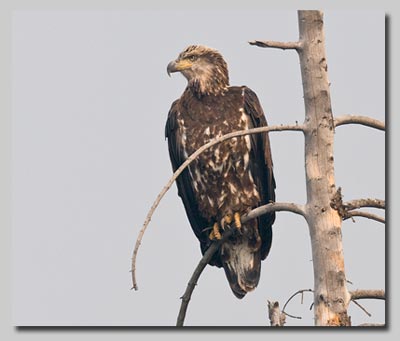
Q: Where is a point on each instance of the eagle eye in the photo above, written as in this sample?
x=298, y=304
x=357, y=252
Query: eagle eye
x=192, y=58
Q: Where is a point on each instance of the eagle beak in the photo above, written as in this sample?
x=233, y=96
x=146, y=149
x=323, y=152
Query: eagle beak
x=171, y=68
x=179, y=65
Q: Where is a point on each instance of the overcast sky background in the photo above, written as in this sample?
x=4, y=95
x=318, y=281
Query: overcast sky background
x=90, y=99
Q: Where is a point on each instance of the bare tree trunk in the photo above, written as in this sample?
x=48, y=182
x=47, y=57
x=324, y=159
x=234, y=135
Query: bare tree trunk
x=331, y=296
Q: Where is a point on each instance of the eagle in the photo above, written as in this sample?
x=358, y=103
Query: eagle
x=229, y=179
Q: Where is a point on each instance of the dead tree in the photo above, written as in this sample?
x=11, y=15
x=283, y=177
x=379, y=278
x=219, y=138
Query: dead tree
x=324, y=209
x=324, y=218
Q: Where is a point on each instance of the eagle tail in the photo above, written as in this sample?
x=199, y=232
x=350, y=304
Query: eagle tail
x=242, y=265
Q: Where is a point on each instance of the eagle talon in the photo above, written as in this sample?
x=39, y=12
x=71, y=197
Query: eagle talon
x=238, y=223
x=211, y=236
x=227, y=220
x=215, y=234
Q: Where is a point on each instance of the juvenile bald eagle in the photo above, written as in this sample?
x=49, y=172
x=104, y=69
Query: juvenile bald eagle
x=229, y=179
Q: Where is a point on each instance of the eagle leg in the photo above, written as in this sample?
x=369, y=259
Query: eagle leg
x=238, y=223
x=215, y=234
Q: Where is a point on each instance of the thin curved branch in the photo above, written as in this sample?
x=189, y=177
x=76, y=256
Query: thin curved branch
x=259, y=211
x=302, y=291
x=188, y=161
x=292, y=45
x=196, y=274
x=359, y=203
x=363, y=120
x=368, y=215
x=378, y=294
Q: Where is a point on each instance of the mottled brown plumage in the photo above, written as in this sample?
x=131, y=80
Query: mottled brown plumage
x=234, y=176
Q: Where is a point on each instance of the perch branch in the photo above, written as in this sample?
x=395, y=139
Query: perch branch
x=189, y=160
x=363, y=120
x=292, y=45
x=302, y=291
x=276, y=318
x=365, y=215
x=367, y=294
x=273, y=207
x=259, y=211
x=196, y=274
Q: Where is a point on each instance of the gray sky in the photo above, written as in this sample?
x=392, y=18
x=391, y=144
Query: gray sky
x=90, y=100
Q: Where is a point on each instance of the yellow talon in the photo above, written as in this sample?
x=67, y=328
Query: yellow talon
x=238, y=223
x=226, y=220
x=215, y=232
x=211, y=236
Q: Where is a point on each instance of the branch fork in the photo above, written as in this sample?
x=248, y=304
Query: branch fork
x=350, y=209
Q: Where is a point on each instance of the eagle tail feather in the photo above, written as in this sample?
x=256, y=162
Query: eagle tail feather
x=242, y=265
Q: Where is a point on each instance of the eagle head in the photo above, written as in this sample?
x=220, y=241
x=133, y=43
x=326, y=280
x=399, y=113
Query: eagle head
x=204, y=68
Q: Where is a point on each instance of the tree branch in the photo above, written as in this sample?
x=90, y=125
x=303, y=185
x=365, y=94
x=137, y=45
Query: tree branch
x=367, y=294
x=188, y=161
x=196, y=274
x=365, y=215
x=302, y=291
x=273, y=207
x=345, y=210
x=293, y=45
x=361, y=307
x=363, y=120
x=359, y=203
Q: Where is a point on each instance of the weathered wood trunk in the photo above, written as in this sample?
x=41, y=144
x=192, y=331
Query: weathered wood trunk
x=331, y=296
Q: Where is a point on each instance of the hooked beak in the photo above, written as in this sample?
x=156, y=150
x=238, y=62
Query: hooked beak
x=179, y=65
x=171, y=68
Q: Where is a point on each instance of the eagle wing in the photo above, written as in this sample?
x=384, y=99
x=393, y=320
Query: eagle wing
x=261, y=166
x=184, y=183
